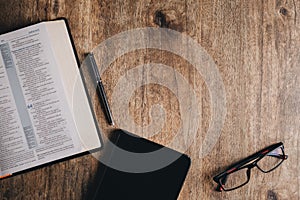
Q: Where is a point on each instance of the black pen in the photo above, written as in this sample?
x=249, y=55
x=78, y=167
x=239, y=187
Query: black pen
x=101, y=88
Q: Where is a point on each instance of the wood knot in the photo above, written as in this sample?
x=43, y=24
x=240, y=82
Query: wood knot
x=56, y=7
x=168, y=19
x=283, y=11
x=160, y=19
x=271, y=195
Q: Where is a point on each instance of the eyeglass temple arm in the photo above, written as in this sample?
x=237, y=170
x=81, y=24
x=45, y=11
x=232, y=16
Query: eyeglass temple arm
x=277, y=155
x=256, y=155
x=223, y=181
x=219, y=188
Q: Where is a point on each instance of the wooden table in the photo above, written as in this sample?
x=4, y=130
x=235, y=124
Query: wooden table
x=255, y=46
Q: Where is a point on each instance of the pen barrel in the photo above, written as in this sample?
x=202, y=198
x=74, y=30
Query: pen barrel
x=100, y=88
x=105, y=102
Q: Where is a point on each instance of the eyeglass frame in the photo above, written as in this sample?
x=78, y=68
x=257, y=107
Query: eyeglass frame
x=256, y=157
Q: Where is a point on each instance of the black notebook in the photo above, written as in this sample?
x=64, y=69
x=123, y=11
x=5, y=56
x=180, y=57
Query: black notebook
x=163, y=183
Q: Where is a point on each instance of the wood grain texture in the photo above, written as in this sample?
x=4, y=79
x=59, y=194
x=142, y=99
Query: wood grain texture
x=255, y=45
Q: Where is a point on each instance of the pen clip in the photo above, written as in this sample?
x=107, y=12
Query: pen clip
x=94, y=66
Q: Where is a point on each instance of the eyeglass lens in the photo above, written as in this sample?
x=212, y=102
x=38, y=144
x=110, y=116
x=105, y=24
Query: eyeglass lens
x=236, y=179
x=271, y=160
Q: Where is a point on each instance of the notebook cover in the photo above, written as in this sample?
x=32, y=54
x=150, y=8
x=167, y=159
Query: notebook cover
x=164, y=183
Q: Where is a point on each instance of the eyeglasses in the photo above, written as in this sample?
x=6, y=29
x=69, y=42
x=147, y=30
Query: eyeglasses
x=238, y=174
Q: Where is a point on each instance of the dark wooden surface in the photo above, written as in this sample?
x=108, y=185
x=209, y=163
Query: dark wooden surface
x=255, y=45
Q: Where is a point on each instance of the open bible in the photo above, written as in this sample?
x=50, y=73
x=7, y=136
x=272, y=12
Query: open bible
x=45, y=113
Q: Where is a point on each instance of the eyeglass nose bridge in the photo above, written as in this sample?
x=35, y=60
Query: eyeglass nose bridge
x=249, y=171
x=252, y=165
